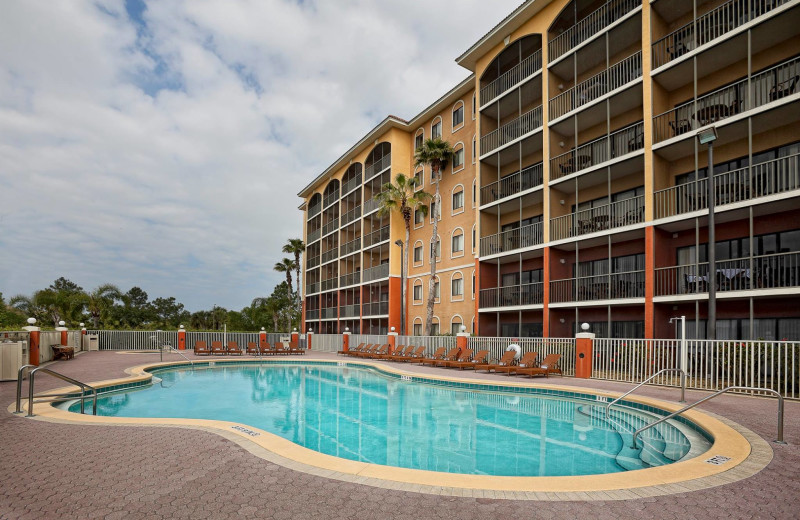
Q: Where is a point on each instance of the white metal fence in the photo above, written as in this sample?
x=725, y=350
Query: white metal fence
x=431, y=343
x=369, y=339
x=150, y=339
x=542, y=346
x=326, y=342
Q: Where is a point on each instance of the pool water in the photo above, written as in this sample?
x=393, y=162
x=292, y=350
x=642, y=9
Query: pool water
x=361, y=414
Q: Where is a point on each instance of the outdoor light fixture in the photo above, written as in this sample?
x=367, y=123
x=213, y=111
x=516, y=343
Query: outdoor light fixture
x=463, y=328
x=81, y=324
x=561, y=144
x=31, y=321
x=561, y=202
x=263, y=329
x=709, y=135
x=61, y=323
x=347, y=329
x=562, y=320
x=563, y=261
x=181, y=327
x=585, y=326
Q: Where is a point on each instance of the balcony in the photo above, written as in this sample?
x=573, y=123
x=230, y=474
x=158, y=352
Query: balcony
x=370, y=205
x=312, y=314
x=327, y=256
x=378, y=166
x=620, y=142
x=314, y=210
x=351, y=247
x=749, y=183
x=352, y=184
x=376, y=273
x=312, y=288
x=350, y=279
x=617, y=214
x=765, y=272
x=512, y=296
x=329, y=313
x=599, y=287
x=376, y=309
x=708, y=27
x=350, y=311
x=594, y=23
x=376, y=237
x=511, y=78
x=330, y=283
x=597, y=86
x=330, y=227
x=524, y=124
x=352, y=215
x=312, y=262
x=767, y=86
x=313, y=236
x=330, y=199
x=513, y=184
x=525, y=236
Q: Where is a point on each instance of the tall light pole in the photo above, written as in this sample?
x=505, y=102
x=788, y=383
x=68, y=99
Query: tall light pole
x=708, y=136
x=399, y=243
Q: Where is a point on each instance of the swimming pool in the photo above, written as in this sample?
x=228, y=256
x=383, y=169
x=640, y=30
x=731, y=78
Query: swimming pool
x=367, y=415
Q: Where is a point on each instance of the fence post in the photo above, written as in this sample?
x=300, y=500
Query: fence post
x=308, y=338
x=583, y=352
x=462, y=339
x=346, y=340
x=392, y=340
x=33, y=342
x=181, y=338
x=262, y=339
x=61, y=328
x=83, y=336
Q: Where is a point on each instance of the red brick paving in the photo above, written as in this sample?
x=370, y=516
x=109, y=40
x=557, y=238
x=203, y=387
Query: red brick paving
x=50, y=470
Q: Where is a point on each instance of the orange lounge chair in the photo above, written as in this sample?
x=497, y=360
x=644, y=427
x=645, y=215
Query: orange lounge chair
x=233, y=348
x=282, y=348
x=398, y=351
x=295, y=348
x=217, y=348
x=415, y=355
x=361, y=348
x=383, y=350
x=436, y=356
x=479, y=357
x=367, y=351
x=504, y=361
x=253, y=349
x=268, y=349
x=201, y=349
x=352, y=349
x=548, y=366
x=452, y=355
x=462, y=357
x=528, y=360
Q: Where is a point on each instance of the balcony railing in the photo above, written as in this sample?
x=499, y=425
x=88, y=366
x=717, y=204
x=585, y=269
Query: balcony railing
x=526, y=294
x=525, y=236
x=375, y=309
x=351, y=247
x=312, y=314
x=370, y=205
x=378, y=166
x=709, y=26
x=524, y=124
x=330, y=198
x=330, y=227
x=767, y=86
x=352, y=184
x=376, y=273
x=350, y=279
x=609, y=216
x=329, y=313
x=599, y=85
x=327, y=256
x=376, y=237
x=773, y=271
x=599, y=287
x=594, y=23
x=350, y=216
x=516, y=75
x=312, y=262
x=330, y=283
x=312, y=288
x=751, y=182
x=313, y=211
x=513, y=184
x=313, y=236
x=620, y=142
x=350, y=311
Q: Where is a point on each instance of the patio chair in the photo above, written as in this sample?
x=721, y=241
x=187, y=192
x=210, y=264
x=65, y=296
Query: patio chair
x=415, y=355
x=268, y=348
x=383, y=350
x=478, y=358
x=217, y=348
x=505, y=360
x=233, y=348
x=784, y=88
x=528, y=360
x=282, y=348
x=352, y=349
x=295, y=348
x=436, y=356
x=548, y=366
x=201, y=349
x=462, y=357
x=398, y=351
x=253, y=349
x=370, y=349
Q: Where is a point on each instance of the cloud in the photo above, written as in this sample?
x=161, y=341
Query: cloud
x=162, y=144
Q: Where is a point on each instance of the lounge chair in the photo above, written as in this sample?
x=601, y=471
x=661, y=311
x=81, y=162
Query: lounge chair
x=528, y=360
x=415, y=355
x=201, y=349
x=462, y=357
x=548, y=366
x=295, y=348
x=233, y=348
x=437, y=355
x=452, y=355
x=506, y=360
x=478, y=358
x=352, y=349
x=383, y=350
x=268, y=349
x=217, y=348
x=282, y=348
x=397, y=352
x=367, y=351
x=253, y=349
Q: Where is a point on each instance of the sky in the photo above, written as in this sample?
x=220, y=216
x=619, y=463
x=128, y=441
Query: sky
x=163, y=144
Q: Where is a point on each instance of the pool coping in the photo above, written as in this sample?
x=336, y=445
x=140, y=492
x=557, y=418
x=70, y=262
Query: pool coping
x=747, y=452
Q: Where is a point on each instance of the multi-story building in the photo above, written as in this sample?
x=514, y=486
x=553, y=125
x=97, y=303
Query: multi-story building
x=579, y=127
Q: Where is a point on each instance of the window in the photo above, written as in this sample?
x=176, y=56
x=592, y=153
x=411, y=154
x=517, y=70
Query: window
x=435, y=328
x=474, y=192
x=458, y=243
x=419, y=217
x=458, y=158
x=436, y=128
x=473, y=106
x=473, y=238
x=458, y=115
x=455, y=327
x=474, y=149
x=418, y=254
x=418, y=291
x=438, y=248
x=473, y=285
x=419, y=178
x=436, y=291
x=418, y=139
x=458, y=200
x=434, y=210
x=417, y=329
x=457, y=287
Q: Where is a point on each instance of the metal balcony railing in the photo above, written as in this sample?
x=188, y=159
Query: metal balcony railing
x=329, y=313
x=598, y=85
x=376, y=273
x=375, y=309
x=512, y=77
x=513, y=184
x=350, y=311
x=350, y=279
x=312, y=288
x=599, y=287
x=315, y=235
x=594, y=23
x=351, y=247
x=773, y=271
x=514, y=129
x=709, y=26
x=312, y=314
x=351, y=184
x=766, y=86
x=618, y=143
x=514, y=295
x=376, y=237
x=330, y=198
x=378, y=166
x=327, y=256
x=330, y=283
x=312, y=262
x=525, y=236
x=609, y=216
x=370, y=205
x=313, y=211
x=330, y=227
x=751, y=182
x=352, y=215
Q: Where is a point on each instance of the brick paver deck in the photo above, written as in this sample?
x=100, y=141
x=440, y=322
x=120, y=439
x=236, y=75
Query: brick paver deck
x=52, y=470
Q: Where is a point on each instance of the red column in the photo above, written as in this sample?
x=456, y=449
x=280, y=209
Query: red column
x=64, y=338
x=583, y=355
x=649, y=281
x=262, y=338
x=546, y=293
x=33, y=348
x=308, y=339
x=181, y=338
x=461, y=340
x=391, y=339
x=346, y=341
x=295, y=338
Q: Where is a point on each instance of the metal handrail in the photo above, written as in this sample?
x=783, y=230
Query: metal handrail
x=712, y=396
x=632, y=390
x=61, y=397
x=167, y=346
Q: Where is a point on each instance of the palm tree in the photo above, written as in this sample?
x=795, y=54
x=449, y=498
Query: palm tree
x=403, y=198
x=286, y=265
x=296, y=247
x=436, y=153
x=100, y=301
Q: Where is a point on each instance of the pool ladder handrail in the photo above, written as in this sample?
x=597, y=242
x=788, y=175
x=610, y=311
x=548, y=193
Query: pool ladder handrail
x=167, y=346
x=629, y=392
x=712, y=396
x=58, y=397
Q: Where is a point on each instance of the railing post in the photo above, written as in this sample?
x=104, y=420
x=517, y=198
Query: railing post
x=63, y=330
x=462, y=339
x=262, y=339
x=181, y=338
x=584, y=342
x=33, y=342
x=308, y=338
